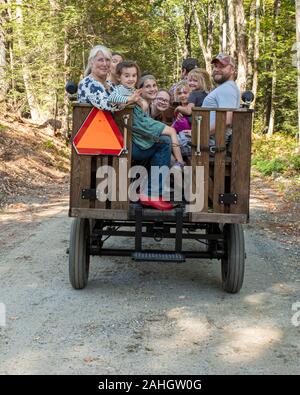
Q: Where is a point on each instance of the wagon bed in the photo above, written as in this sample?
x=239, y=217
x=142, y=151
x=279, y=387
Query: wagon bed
x=226, y=185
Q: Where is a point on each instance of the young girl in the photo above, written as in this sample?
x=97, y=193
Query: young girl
x=146, y=131
x=182, y=93
x=183, y=124
x=200, y=85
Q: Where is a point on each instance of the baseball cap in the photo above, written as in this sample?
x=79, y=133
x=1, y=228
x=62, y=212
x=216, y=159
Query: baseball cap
x=190, y=64
x=224, y=59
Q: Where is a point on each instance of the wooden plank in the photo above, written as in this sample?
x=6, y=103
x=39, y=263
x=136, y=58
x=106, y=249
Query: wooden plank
x=122, y=163
x=219, y=218
x=121, y=167
x=101, y=161
x=194, y=217
x=219, y=163
x=241, y=161
x=210, y=189
x=97, y=213
x=203, y=158
x=80, y=165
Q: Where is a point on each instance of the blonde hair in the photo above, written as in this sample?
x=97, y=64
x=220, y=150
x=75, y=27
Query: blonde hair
x=93, y=53
x=202, y=76
x=181, y=84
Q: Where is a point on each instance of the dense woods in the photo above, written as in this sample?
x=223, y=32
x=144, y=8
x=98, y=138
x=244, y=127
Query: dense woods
x=46, y=42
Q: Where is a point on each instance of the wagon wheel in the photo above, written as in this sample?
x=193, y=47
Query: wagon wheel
x=233, y=263
x=79, y=255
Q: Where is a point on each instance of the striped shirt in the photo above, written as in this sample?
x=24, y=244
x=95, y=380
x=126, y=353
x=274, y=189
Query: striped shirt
x=120, y=94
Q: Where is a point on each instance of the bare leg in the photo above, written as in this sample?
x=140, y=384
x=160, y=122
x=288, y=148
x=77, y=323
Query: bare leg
x=168, y=131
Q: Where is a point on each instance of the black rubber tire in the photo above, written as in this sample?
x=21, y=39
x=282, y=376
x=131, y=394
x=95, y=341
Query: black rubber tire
x=79, y=254
x=233, y=264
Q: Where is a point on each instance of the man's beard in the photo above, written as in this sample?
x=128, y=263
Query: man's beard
x=221, y=79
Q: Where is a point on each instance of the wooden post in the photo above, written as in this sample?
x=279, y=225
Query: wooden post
x=119, y=162
x=80, y=164
x=219, y=162
x=201, y=159
x=241, y=161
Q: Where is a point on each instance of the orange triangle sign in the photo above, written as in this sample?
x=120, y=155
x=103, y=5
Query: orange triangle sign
x=98, y=135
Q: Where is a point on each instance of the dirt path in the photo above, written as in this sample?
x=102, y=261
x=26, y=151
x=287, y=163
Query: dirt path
x=140, y=318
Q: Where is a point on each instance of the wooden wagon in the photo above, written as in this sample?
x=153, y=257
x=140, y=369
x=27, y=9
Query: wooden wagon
x=217, y=225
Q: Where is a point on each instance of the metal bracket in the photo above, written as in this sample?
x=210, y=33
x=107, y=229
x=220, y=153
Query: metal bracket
x=228, y=198
x=198, y=147
x=88, y=194
x=125, y=118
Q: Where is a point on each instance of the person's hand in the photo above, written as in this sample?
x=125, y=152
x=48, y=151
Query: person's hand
x=143, y=104
x=179, y=116
x=135, y=97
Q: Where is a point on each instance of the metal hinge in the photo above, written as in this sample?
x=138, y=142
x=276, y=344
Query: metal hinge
x=228, y=198
x=88, y=194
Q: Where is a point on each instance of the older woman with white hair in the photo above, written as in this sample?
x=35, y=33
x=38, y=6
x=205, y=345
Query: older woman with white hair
x=94, y=88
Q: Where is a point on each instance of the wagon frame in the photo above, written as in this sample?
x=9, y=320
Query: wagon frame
x=218, y=225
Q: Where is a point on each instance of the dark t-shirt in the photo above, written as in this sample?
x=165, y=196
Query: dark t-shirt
x=197, y=97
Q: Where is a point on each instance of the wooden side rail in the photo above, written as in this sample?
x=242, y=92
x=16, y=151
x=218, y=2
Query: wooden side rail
x=226, y=174
x=84, y=167
x=227, y=171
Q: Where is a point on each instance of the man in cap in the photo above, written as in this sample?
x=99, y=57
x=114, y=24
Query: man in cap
x=227, y=94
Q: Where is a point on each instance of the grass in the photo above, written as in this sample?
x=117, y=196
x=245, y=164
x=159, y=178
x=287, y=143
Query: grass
x=276, y=155
x=2, y=128
x=275, y=158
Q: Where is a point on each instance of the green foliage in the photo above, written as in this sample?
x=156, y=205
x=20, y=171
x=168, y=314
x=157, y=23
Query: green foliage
x=267, y=167
x=54, y=37
x=49, y=145
x=276, y=155
x=295, y=162
x=2, y=128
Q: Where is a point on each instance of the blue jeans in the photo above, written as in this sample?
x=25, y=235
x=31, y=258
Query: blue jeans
x=159, y=155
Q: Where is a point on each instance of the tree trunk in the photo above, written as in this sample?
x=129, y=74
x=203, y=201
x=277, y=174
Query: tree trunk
x=298, y=64
x=221, y=23
x=256, y=51
x=251, y=29
x=11, y=57
x=242, y=45
x=231, y=28
x=52, y=96
x=274, y=71
x=3, y=85
x=187, y=29
x=65, y=124
x=206, y=48
x=32, y=102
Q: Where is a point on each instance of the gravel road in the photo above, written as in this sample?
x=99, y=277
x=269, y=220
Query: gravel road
x=142, y=318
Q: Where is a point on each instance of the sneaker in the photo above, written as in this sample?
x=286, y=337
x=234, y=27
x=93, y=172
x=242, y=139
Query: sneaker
x=156, y=202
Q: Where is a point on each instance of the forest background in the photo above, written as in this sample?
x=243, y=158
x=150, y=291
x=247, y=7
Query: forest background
x=45, y=43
